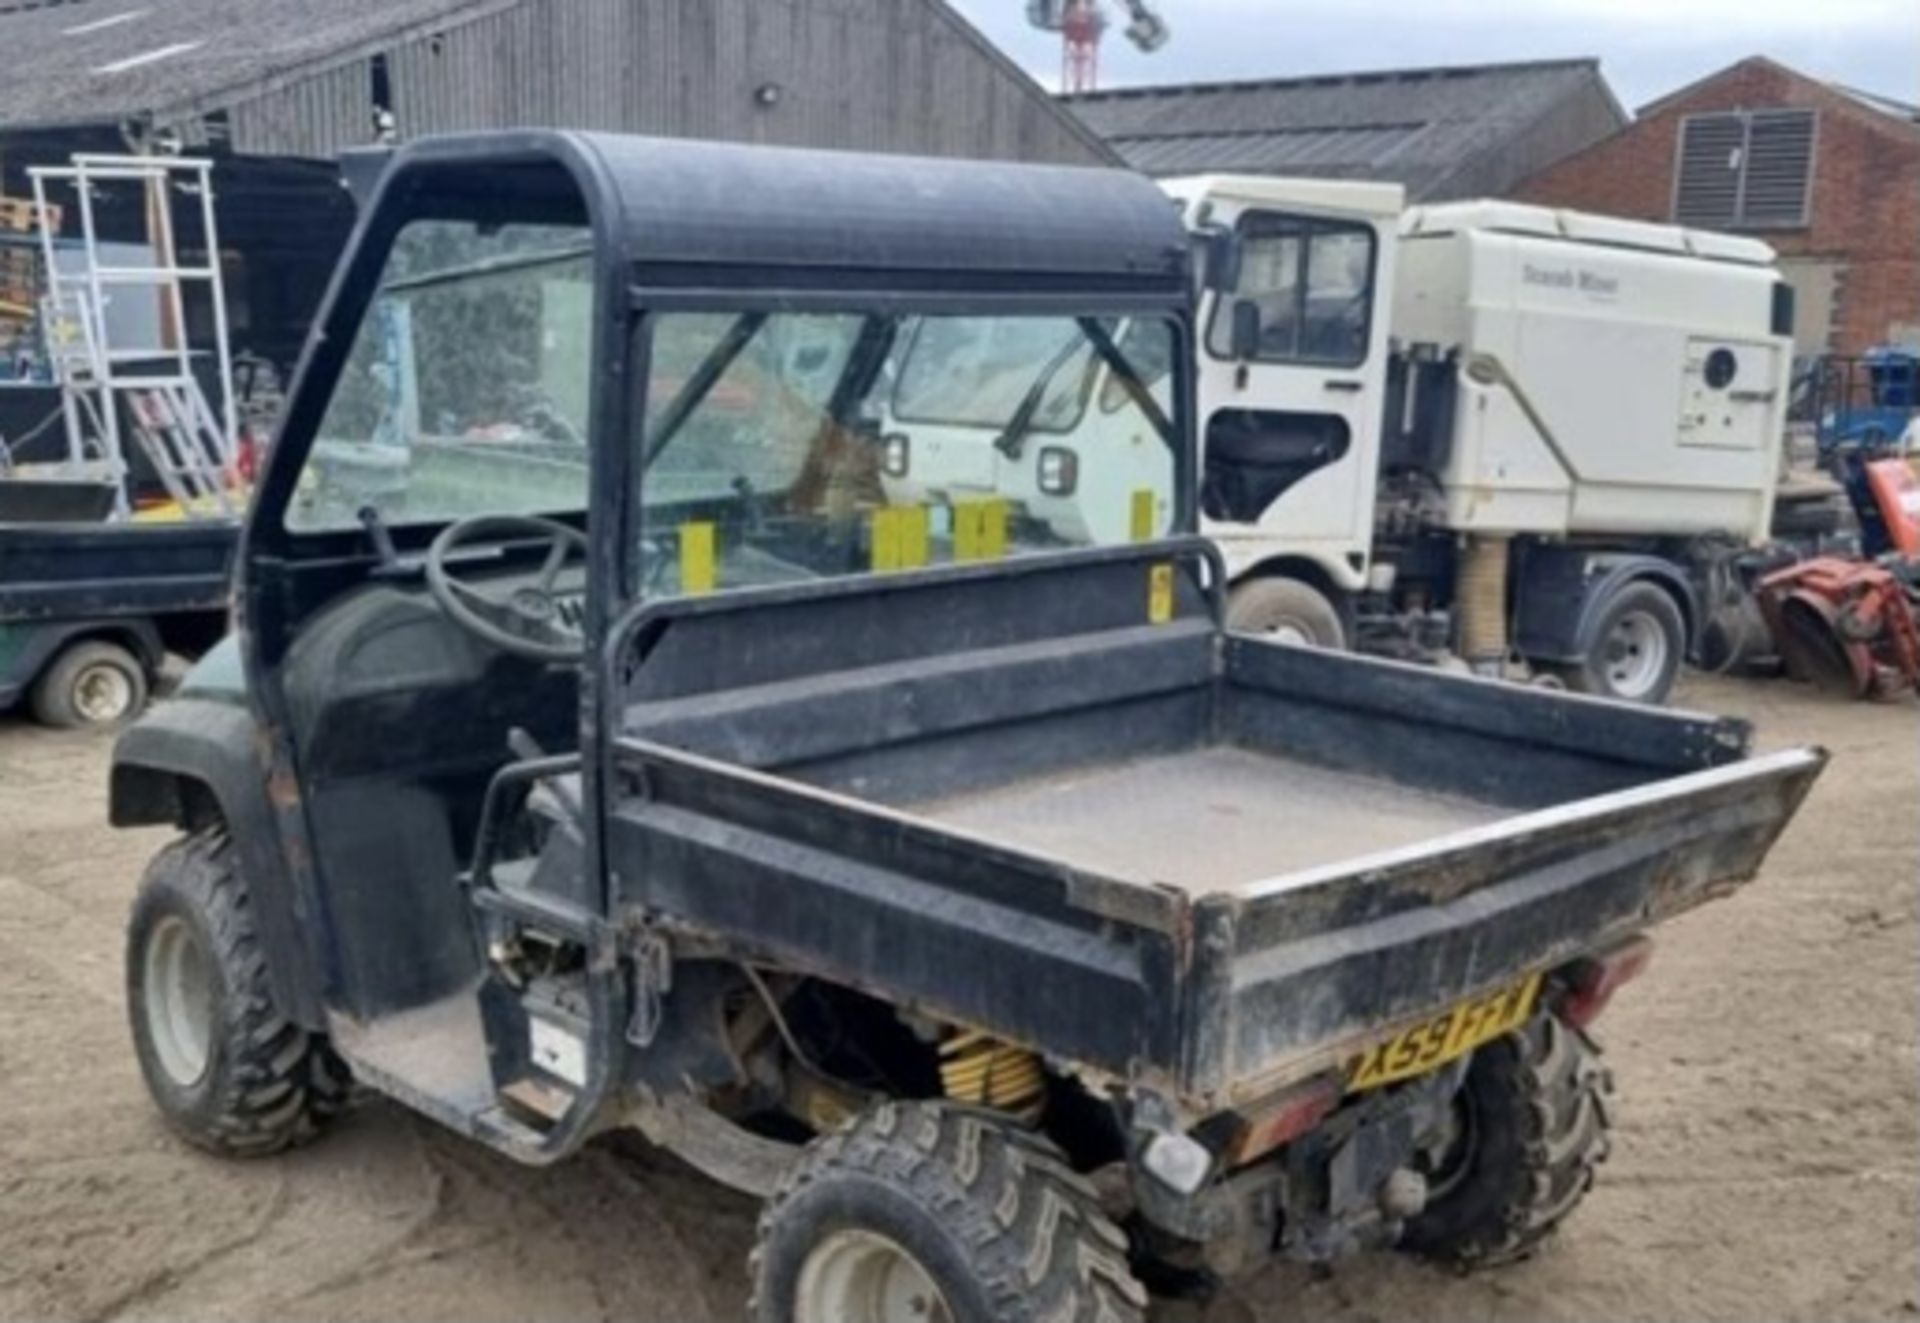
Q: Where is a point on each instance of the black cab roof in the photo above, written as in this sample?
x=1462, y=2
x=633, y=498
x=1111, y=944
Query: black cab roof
x=669, y=202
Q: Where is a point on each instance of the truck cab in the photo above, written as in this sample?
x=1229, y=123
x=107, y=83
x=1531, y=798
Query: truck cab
x=1296, y=353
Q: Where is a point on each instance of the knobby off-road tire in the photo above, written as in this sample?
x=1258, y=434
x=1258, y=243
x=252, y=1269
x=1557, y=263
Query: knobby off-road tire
x=990, y=1215
x=1533, y=1125
x=228, y=1071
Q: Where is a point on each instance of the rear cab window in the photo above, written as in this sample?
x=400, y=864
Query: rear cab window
x=784, y=446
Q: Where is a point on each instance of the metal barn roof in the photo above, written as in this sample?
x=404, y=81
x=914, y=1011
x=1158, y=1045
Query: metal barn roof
x=100, y=61
x=1441, y=131
x=300, y=77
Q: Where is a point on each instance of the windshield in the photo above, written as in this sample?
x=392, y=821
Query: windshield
x=466, y=389
x=789, y=446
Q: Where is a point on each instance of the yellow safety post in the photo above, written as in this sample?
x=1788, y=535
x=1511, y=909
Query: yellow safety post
x=1141, y=523
x=899, y=537
x=979, y=530
x=699, y=565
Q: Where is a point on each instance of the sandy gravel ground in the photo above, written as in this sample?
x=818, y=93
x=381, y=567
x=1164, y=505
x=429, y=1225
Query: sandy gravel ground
x=1767, y=1164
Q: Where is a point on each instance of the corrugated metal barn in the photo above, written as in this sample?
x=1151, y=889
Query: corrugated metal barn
x=297, y=78
x=1467, y=131
x=276, y=89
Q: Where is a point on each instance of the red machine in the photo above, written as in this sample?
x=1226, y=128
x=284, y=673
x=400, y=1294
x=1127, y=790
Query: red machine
x=1849, y=625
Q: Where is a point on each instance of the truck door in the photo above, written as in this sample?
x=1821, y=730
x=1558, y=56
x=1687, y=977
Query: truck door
x=1292, y=369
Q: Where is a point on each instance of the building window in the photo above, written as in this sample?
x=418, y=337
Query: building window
x=1748, y=170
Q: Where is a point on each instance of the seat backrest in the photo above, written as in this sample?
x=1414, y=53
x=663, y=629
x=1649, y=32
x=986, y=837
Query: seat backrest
x=1896, y=493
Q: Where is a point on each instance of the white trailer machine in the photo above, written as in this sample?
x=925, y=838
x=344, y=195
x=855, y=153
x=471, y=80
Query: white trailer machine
x=1536, y=440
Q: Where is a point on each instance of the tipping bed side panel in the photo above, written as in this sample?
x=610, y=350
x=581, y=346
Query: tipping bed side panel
x=1477, y=739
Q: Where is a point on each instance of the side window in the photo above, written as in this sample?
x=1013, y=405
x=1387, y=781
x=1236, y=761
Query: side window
x=1311, y=282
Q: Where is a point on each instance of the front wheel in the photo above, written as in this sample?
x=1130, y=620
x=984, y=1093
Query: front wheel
x=228, y=1071
x=1638, y=645
x=918, y=1213
x=1529, y=1127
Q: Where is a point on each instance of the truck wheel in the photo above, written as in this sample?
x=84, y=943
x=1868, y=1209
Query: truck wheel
x=1287, y=610
x=1637, y=649
x=918, y=1213
x=92, y=684
x=229, y=1072
x=1530, y=1125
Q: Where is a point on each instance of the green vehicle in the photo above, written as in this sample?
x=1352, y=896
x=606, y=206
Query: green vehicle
x=599, y=749
x=89, y=612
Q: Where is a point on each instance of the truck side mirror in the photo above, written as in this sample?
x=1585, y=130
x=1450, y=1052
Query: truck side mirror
x=1246, y=330
x=1220, y=259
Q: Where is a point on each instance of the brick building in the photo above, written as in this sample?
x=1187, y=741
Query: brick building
x=1829, y=176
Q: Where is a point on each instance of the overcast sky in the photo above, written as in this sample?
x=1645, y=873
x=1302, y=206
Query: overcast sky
x=1646, y=47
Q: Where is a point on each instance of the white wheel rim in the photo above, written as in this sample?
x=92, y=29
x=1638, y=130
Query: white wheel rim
x=1288, y=632
x=178, y=985
x=102, y=693
x=1636, y=654
x=864, y=1277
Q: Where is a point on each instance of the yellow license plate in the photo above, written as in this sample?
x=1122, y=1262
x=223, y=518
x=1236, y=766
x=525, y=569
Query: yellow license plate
x=1446, y=1037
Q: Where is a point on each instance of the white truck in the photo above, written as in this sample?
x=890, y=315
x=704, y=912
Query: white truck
x=1532, y=441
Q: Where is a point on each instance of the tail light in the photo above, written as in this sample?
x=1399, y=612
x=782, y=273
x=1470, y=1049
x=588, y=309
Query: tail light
x=1591, y=983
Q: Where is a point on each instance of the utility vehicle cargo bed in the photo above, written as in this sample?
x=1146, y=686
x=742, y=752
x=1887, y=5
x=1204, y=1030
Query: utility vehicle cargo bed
x=65, y=571
x=1029, y=797
x=1206, y=820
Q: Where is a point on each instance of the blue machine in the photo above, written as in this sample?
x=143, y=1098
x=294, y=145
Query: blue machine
x=1861, y=408
x=1865, y=403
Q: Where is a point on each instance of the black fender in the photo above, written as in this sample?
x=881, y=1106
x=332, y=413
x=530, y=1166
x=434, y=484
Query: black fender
x=1560, y=592
x=136, y=634
x=197, y=762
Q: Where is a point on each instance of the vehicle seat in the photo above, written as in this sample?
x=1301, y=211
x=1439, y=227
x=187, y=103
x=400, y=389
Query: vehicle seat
x=400, y=719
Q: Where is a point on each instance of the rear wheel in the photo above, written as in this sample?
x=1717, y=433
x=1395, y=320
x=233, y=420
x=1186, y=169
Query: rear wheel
x=228, y=1071
x=1638, y=645
x=1530, y=1126
x=918, y=1213
x=91, y=684
x=1287, y=610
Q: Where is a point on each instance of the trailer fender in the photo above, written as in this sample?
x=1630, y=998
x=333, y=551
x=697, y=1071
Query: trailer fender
x=193, y=762
x=1560, y=593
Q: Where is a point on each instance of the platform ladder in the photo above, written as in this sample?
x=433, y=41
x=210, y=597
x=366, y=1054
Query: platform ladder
x=190, y=447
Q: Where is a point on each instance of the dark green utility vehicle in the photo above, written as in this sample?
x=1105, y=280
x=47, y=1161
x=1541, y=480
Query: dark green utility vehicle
x=601, y=747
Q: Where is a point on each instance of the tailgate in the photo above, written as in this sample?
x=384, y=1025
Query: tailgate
x=1293, y=975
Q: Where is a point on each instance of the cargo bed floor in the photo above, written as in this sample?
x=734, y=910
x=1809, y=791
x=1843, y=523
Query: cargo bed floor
x=1206, y=820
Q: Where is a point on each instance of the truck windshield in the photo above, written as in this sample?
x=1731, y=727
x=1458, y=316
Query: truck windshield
x=466, y=389
x=788, y=446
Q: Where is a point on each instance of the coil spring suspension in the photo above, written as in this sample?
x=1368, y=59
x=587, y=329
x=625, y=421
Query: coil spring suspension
x=980, y=1070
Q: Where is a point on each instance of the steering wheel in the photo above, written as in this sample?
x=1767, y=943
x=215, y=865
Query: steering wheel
x=524, y=620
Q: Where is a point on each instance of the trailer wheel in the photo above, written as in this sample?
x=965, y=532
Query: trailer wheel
x=919, y=1213
x=91, y=684
x=1530, y=1126
x=1638, y=645
x=1287, y=610
x=228, y=1071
